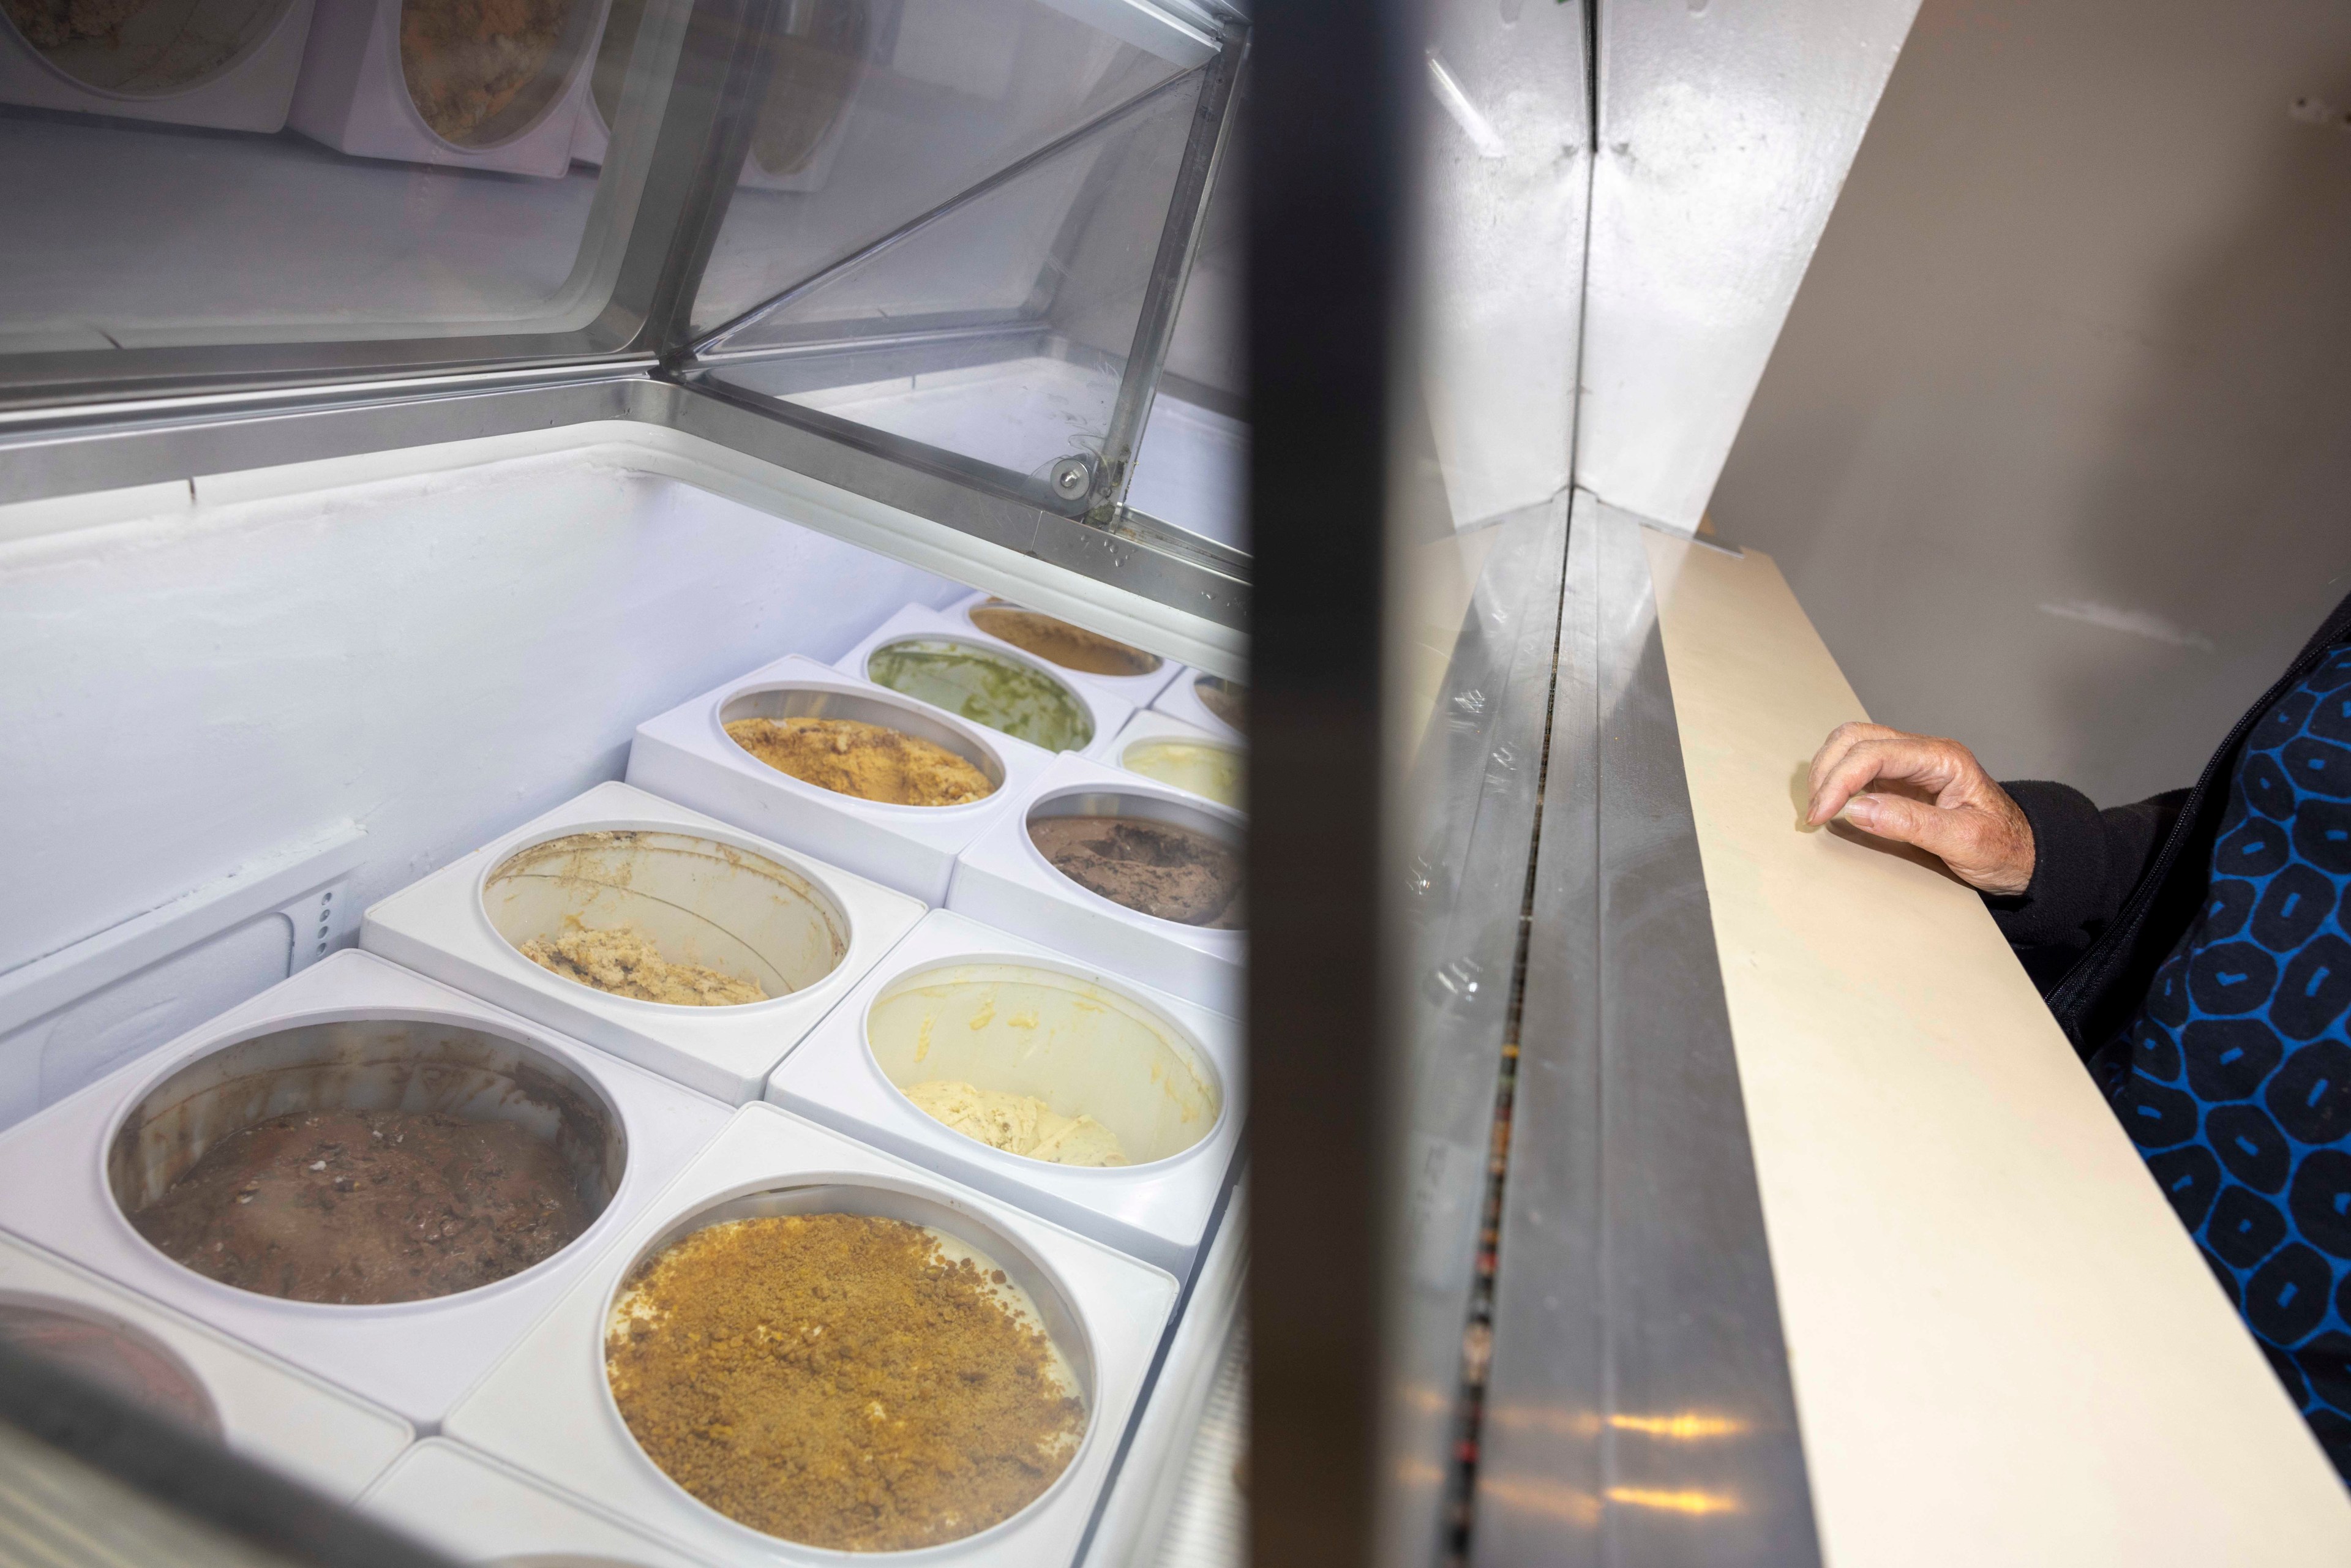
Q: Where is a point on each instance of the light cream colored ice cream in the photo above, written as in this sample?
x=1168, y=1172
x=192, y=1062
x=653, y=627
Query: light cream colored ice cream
x=1016, y=1123
x=1203, y=768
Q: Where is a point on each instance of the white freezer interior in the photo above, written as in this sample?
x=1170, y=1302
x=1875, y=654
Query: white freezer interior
x=219, y=694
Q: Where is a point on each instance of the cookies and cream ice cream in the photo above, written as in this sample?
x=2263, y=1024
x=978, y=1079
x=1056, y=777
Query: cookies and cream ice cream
x=1163, y=870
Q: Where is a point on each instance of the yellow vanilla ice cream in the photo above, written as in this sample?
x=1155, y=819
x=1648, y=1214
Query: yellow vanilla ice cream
x=1016, y=1123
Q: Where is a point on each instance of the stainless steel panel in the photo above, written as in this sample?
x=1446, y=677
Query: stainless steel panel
x=1475, y=789
x=1640, y=1410
x=1725, y=133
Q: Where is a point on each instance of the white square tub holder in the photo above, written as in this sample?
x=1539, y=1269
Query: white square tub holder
x=1004, y=880
x=256, y=1404
x=1158, y=1211
x=417, y=1357
x=547, y=1407
x=686, y=756
x=685, y=884
x=471, y=1507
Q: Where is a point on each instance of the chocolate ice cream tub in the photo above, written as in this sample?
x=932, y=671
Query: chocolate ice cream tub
x=549, y=1408
x=352, y=1037
x=665, y=937
x=453, y=82
x=944, y=660
x=1021, y=1049
x=1166, y=924
x=226, y=64
x=690, y=755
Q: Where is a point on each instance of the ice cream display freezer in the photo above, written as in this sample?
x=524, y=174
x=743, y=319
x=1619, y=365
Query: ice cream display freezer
x=769, y=799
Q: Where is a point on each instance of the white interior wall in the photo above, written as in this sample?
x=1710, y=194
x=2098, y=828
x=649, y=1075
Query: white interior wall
x=433, y=659
x=2056, y=446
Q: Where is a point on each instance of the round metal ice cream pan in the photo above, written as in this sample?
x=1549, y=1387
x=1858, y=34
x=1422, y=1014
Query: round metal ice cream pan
x=1205, y=817
x=1051, y=1033
x=386, y=1063
x=867, y=707
x=96, y=1346
x=698, y=900
x=883, y=1199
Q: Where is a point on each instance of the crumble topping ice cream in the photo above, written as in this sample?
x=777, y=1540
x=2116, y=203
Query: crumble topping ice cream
x=868, y=761
x=845, y=1381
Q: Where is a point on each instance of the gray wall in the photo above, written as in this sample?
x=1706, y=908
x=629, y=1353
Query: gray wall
x=2057, y=447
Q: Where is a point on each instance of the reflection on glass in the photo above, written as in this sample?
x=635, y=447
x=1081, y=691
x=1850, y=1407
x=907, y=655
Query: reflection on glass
x=819, y=60
x=999, y=328
x=480, y=75
x=941, y=95
x=111, y=1354
x=191, y=173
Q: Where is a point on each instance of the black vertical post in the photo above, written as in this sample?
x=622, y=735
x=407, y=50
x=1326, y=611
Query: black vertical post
x=1329, y=209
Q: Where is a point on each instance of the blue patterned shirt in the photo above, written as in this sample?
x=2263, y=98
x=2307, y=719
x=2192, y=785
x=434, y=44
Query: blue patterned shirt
x=2234, y=1079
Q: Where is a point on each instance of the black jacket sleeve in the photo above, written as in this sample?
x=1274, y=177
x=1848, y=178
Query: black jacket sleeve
x=2085, y=863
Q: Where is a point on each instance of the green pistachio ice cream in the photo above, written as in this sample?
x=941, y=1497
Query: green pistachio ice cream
x=984, y=687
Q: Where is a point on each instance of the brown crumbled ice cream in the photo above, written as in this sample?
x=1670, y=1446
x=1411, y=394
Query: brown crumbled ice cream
x=871, y=761
x=466, y=61
x=365, y=1207
x=625, y=962
x=1059, y=643
x=1226, y=699
x=1173, y=872
x=838, y=1380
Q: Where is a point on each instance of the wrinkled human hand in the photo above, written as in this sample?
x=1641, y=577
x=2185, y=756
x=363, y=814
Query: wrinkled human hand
x=1966, y=819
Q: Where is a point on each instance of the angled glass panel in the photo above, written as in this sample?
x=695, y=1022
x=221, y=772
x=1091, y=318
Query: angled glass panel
x=873, y=112
x=1191, y=471
x=996, y=331
x=186, y=175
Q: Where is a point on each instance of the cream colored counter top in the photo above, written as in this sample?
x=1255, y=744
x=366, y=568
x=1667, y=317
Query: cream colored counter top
x=2004, y=1347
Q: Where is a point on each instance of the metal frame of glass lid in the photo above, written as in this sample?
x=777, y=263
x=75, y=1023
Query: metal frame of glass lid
x=79, y=420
